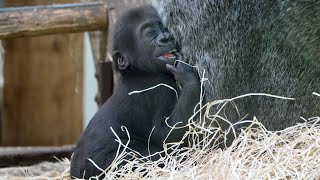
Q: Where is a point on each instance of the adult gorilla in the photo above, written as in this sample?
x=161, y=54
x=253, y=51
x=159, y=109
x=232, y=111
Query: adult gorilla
x=253, y=46
x=144, y=53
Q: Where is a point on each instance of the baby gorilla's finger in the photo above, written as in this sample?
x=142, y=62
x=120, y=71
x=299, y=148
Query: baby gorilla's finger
x=195, y=69
x=171, y=68
x=180, y=57
x=183, y=66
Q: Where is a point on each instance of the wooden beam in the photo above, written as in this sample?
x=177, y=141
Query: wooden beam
x=25, y=156
x=52, y=19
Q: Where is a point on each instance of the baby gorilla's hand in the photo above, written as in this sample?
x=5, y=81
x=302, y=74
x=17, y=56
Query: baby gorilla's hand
x=184, y=74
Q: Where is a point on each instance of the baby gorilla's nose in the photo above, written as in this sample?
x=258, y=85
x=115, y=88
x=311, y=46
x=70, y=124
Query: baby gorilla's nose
x=164, y=39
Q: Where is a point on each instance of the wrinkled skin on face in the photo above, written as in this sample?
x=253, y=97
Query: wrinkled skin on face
x=146, y=45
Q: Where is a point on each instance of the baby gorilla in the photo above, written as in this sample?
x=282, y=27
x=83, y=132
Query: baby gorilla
x=144, y=55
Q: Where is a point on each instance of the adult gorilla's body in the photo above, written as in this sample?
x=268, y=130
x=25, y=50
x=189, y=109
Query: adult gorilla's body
x=252, y=46
x=140, y=53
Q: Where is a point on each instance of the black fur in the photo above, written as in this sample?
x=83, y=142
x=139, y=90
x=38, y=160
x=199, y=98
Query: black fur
x=137, y=56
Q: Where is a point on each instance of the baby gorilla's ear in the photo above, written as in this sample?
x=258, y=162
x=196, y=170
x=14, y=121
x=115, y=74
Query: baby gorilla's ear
x=122, y=62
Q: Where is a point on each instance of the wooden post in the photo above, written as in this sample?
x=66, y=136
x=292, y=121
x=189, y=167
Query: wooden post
x=98, y=40
x=42, y=88
x=51, y=19
x=1, y=87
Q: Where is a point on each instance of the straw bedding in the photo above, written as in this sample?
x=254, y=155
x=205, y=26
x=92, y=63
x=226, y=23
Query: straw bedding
x=256, y=153
x=44, y=170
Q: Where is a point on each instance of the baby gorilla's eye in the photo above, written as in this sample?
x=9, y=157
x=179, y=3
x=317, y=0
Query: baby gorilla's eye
x=151, y=31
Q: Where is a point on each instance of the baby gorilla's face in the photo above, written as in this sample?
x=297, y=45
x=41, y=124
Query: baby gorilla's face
x=145, y=42
x=156, y=45
x=161, y=43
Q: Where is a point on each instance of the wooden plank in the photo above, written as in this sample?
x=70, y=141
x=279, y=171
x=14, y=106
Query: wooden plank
x=104, y=75
x=25, y=156
x=42, y=88
x=52, y=19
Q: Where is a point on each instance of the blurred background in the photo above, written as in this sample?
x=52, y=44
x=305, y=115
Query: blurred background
x=48, y=86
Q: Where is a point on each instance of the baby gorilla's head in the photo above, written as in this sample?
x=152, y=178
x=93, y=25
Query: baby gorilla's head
x=142, y=43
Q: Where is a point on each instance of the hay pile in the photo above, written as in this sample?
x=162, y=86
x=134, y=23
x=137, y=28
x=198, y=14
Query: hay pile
x=256, y=153
x=45, y=170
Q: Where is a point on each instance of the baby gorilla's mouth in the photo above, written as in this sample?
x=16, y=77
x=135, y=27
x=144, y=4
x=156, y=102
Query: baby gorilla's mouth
x=169, y=55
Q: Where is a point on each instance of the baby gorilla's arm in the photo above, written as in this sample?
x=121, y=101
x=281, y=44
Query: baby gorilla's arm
x=188, y=79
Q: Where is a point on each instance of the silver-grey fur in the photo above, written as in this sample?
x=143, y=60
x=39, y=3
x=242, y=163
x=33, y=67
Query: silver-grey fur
x=253, y=46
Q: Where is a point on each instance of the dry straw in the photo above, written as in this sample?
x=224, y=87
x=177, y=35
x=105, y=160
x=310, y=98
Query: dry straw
x=256, y=153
